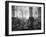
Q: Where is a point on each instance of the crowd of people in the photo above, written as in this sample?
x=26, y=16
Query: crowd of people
x=30, y=24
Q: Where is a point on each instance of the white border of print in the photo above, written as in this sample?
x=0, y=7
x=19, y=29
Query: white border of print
x=26, y=31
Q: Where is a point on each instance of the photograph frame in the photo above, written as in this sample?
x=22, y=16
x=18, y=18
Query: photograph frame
x=7, y=17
